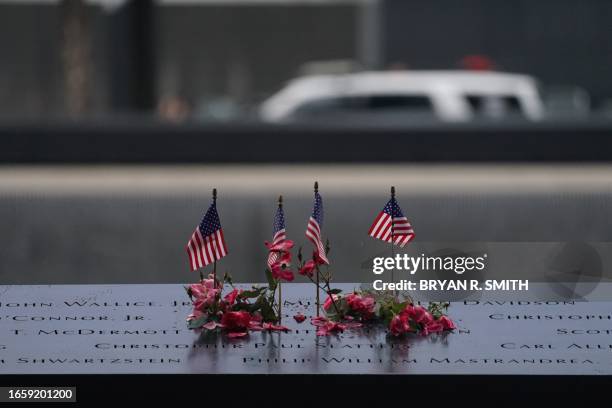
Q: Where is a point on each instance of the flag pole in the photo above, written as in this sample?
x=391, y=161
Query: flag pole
x=316, y=190
x=280, y=284
x=214, y=197
x=392, y=233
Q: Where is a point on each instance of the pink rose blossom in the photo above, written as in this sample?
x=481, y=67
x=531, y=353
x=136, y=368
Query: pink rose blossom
x=236, y=321
x=419, y=314
x=329, y=302
x=363, y=305
x=200, y=289
x=432, y=327
x=195, y=315
x=283, y=246
x=285, y=259
x=278, y=272
x=237, y=334
x=308, y=268
x=204, y=294
x=212, y=325
x=329, y=327
x=231, y=297
x=274, y=327
x=447, y=324
x=318, y=320
x=203, y=302
x=399, y=325
x=325, y=327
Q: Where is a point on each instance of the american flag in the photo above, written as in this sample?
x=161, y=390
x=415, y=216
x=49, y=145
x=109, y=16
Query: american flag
x=207, y=243
x=278, y=235
x=313, y=230
x=402, y=230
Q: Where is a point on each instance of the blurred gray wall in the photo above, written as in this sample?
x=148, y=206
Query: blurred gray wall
x=131, y=224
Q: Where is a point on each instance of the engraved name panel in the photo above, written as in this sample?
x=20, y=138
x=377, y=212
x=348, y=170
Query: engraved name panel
x=141, y=329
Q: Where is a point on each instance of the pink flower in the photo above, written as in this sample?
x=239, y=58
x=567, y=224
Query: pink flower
x=198, y=288
x=432, y=327
x=203, y=302
x=308, y=268
x=328, y=302
x=418, y=313
x=212, y=325
x=204, y=294
x=255, y=324
x=195, y=315
x=362, y=305
x=325, y=326
x=231, y=297
x=279, y=272
x=237, y=334
x=239, y=323
x=318, y=320
x=285, y=259
x=399, y=324
x=329, y=327
x=274, y=327
x=236, y=321
x=447, y=324
x=283, y=246
x=299, y=317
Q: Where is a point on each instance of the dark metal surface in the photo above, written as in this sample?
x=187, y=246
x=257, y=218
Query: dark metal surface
x=137, y=141
x=140, y=329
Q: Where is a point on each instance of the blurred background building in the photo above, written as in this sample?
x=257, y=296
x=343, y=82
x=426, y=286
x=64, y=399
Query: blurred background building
x=211, y=59
x=118, y=117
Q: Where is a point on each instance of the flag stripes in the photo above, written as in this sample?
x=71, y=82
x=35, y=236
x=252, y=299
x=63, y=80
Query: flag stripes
x=391, y=226
x=274, y=256
x=313, y=233
x=207, y=243
x=313, y=229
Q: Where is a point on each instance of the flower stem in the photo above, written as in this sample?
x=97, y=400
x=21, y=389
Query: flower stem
x=318, y=300
x=280, y=302
x=331, y=296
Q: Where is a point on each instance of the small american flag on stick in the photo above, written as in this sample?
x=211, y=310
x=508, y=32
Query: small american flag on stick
x=278, y=233
x=391, y=225
x=207, y=244
x=313, y=229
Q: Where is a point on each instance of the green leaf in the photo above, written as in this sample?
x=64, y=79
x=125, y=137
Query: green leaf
x=271, y=280
x=398, y=307
x=267, y=311
x=197, y=323
x=228, y=278
x=249, y=307
x=339, y=311
x=253, y=293
x=335, y=291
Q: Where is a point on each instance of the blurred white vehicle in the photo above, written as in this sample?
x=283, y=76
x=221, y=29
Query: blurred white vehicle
x=453, y=96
